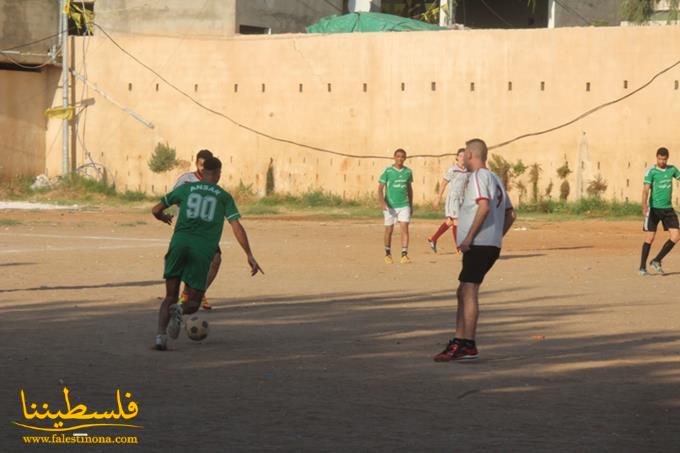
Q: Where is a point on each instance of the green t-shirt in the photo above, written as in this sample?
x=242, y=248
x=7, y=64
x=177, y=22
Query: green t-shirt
x=396, y=186
x=661, y=182
x=202, y=210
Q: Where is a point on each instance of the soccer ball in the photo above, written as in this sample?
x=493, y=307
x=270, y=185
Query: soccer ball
x=197, y=328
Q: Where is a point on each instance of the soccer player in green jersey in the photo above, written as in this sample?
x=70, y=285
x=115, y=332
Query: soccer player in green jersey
x=203, y=206
x=657, y=206
x=395, y=193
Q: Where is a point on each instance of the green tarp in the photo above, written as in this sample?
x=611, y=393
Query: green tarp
x=367, y=22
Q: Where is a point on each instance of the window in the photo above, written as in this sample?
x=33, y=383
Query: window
x=253, y=30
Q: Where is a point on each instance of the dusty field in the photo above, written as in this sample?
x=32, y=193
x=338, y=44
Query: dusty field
x=330, y=350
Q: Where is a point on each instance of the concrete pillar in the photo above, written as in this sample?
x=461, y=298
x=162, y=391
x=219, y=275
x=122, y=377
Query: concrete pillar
x=364, y=6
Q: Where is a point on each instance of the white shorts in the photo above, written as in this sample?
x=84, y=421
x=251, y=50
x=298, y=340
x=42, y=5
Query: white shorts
x=393, y=215
x=452, y=207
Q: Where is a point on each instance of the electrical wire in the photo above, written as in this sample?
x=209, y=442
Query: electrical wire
x=496, y=14
x=24, y=66
x=228, y=118
x=333, y=5
x=46, y=38
x=591, y=111
x=572, y=11
x=337, y=153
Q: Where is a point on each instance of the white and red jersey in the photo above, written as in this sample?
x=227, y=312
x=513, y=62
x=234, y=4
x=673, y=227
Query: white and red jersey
x=190, y=176
x=456, y=176
x=484, y=185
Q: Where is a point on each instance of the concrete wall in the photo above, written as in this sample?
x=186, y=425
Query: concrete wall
x=574, y=13
x=397, y=108
x=25, y=21
x=23, y=98
x=181, y=18
x=284, y=16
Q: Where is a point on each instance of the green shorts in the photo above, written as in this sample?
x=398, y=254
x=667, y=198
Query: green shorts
x=188, y=262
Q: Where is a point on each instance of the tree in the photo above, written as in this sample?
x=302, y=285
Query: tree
x=163, y=158
x=562, y=173
x=640, y=11
x=534, y=176
x=505, y=170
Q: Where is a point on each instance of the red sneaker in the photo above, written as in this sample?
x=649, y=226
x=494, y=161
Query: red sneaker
x=456, y=351
x=448, y=353
x=466, y=353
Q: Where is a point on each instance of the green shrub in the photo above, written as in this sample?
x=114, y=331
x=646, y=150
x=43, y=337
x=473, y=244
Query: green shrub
x=596, y=187
x=82, y=184
x=133, y=195
x=163, y=158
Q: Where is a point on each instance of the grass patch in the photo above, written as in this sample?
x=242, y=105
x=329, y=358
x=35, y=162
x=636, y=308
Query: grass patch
x=73, y=189
x=319, y=203
x=591, y=207
x=9, y=222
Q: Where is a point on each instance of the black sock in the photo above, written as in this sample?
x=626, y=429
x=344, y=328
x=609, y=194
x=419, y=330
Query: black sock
x=645, y=254
x=667, y=247
x=468, y=343
x=388, y=251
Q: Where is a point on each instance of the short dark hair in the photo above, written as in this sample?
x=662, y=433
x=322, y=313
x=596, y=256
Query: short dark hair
x=663, y=152
x=212, y=164
x=399, y=150
x=478, y=146
x=460, y=150
x=204, y=154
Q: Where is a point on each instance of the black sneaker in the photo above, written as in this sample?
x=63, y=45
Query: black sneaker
x=657, y=266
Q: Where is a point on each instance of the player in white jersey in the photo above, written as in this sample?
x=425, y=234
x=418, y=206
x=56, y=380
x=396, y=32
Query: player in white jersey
x=485, y=216
x=454, y=178
x=196, y=176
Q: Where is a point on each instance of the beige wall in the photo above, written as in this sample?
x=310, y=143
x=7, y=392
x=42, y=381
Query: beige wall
x=180, y=18
x=23, y=98
x=621, y=139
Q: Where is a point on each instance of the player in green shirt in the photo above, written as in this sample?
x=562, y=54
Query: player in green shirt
x=657, y=206
x=203, y=206
x=395, y=193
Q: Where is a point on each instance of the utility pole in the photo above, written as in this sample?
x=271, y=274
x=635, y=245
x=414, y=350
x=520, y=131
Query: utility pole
x=63, y=29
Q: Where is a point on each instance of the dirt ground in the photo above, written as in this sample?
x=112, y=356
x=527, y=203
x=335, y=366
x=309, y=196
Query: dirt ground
x=331, y=349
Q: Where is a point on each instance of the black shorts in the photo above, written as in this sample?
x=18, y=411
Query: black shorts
x=477, y=262
x=667, y=217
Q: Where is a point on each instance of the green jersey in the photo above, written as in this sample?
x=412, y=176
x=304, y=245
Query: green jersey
x=396, y=183
x=202, y=210
x=661, y=183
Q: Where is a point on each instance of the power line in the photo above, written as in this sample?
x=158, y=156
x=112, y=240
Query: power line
x=328, y=151
x=496, y=14
x=46, y=38
x=573, y=11
x=24, y=66
x=35, y=42
x=333, y=5
x=228, y=118
x=591, y=111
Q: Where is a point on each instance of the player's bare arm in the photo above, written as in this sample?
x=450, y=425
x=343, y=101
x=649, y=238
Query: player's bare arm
x=159, y=213
x=242, y=239
x=645, y=199
x=381, y=196
x=442, y=189
x=510, y=217
x=482, y=211
x=410, y=197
